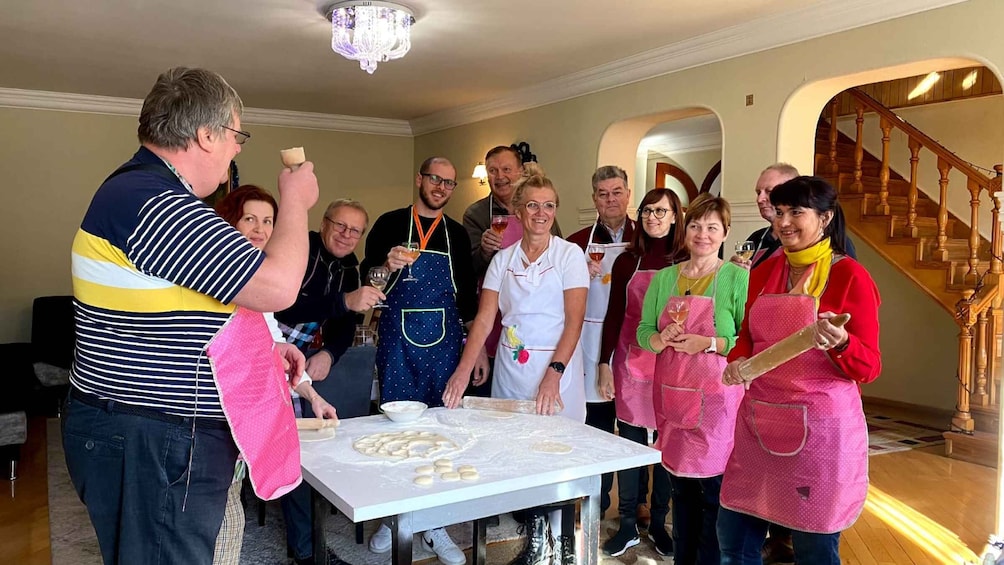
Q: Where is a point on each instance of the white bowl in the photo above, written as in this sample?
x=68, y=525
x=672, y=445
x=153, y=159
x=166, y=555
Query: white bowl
x=403, y=410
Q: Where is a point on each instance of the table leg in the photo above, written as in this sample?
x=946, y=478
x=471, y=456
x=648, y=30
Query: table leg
x=319, y=506
x=591, y=525
x=479, y=551
x=401, y=529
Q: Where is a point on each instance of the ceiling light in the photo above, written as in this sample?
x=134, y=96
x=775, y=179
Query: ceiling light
x=370, y=32
x=480, y=173
x=924, y=86
x=970, y=80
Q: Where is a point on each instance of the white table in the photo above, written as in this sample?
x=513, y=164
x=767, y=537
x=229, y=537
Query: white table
x=513, y=475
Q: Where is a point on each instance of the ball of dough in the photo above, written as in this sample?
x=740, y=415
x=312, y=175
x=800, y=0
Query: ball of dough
x=424, y=469
x=467, y=469
x=470, y=475
x=423, y=480
x=444, y=463
x=450, y=476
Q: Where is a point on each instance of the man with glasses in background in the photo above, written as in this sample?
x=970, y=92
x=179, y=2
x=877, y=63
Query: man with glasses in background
x=322, y=323
x=431, y=296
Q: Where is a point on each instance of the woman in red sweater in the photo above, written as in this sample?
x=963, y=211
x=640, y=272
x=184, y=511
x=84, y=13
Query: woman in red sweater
x=801, y=445
x=627, y=379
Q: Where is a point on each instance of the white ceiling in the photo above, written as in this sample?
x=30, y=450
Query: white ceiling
x=465, y=53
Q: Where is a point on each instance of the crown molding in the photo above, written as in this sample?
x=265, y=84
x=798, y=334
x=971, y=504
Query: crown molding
x=832, y=16
x=94, y=104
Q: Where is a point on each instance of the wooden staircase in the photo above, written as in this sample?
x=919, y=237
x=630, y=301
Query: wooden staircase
x=942, y=254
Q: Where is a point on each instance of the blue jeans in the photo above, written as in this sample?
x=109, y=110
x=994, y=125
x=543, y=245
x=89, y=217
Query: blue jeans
x=695, y=514
x=741, y=537
x=148, y=503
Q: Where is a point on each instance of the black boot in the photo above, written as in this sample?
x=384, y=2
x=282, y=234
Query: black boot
x=659, y=536
x=625, y=538
x=537, y=550
x=564, y=553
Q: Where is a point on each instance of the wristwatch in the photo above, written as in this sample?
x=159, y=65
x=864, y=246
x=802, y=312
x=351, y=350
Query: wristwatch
x=558, y=367
x=713, y=348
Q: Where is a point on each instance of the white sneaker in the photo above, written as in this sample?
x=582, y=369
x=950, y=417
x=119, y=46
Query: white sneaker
x=381, y=540
x=439, y=541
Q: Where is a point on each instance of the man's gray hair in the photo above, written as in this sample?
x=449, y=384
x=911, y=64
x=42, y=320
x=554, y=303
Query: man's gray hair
x=784, y=169
x=607, y=172
x=350, y=203
x=183, y=100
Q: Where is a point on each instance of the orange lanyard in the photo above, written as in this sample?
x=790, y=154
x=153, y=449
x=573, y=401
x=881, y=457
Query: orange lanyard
x=423, y=236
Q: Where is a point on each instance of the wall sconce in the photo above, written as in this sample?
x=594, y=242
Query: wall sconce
x=480, y=173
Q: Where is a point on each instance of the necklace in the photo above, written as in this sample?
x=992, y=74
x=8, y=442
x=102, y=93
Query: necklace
x=698, y=276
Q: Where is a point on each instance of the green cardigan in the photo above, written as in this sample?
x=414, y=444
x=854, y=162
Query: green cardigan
x=729, y=295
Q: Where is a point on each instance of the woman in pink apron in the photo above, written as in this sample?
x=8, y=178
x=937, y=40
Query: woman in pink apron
x=252, y=211
x=539, y=285
x=629, y=381
x=690, y=319
x=801, y=445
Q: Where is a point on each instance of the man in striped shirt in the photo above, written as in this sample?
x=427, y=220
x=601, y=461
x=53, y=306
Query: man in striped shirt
x=156, y=274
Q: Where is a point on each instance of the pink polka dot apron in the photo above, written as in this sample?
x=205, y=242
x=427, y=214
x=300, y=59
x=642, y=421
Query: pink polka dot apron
x=634, y=367
x=255, y=397
x=531, y=300
x=801, y=443
x=695, y=413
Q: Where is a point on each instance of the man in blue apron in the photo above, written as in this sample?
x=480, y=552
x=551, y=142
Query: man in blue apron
x=429, y=300
x=606, y=238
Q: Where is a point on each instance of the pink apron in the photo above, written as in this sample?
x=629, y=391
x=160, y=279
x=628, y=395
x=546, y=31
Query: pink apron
x=695, y=412
x=801, y=443
x=255, y=398
x=513, y=233
x=634, y=367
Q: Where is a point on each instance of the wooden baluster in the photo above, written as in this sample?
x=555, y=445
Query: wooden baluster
x=996, y=239
x=974, y=229
x=940, y=252
x=834, y=168
x=911, y=196
x=883, y=205
x=962, y=420
x=996, y=321
x=980, y=397
x=859, y=150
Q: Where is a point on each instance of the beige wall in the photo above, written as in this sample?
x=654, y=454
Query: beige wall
x=790, y=86
x=52, y=162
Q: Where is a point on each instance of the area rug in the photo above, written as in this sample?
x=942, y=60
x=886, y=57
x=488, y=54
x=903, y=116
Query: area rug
x=73, y=541
x=887, y=435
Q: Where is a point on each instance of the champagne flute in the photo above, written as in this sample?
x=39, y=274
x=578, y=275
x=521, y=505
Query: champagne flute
x=413, y=251
x=678, y=309
x=499, y=223
x=378, y=279
x=745, y=250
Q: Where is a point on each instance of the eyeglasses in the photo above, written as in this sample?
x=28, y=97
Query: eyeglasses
x=240, y=136
x=660, y=213
x=437, y=180
x=342, y=227
x=534, y=206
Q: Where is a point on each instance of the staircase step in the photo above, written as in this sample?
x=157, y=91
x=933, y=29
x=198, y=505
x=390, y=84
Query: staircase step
x=978, y=447
x=898, y=205
x=924, y=226
x=957, y=249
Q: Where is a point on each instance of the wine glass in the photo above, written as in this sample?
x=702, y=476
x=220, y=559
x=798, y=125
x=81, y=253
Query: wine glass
x=596, y=252
x=378, y=279
x=678, y=309
x=745, y=249
x=499, y=223
x=413, y=251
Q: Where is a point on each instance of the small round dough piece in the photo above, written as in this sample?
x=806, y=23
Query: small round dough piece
x=444, y=463
x=467, y=469
x=423, y=480
x=551, y=447
x=450, y=476
x=425, y=469
x=470, y=475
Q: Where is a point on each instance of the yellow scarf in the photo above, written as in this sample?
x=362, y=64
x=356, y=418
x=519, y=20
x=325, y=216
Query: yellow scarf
x=818, y=259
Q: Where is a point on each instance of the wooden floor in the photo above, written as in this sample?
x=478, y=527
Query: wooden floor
x=922, y=509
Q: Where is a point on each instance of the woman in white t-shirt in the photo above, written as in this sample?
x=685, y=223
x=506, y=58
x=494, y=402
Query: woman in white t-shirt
x=539, y=285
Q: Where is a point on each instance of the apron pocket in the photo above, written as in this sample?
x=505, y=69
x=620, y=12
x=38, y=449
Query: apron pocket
x=683, y=408
x=640, y=365
x=423, y=327
x=781, y=429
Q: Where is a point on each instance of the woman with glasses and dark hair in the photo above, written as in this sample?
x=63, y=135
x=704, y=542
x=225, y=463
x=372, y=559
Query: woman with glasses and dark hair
x=801, y=445
x=627, y=379
x=539, y=285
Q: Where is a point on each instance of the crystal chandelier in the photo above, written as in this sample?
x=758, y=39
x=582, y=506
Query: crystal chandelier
x=370, y=32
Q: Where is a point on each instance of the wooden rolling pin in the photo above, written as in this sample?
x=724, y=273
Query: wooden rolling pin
x=784, y=350
x=316, y=423
x=500, y=404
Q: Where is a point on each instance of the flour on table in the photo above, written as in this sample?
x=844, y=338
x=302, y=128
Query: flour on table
x=551, y=447
x=316, y=435
x=403, y=445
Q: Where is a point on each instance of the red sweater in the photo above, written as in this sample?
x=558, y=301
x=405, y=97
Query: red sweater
x=850, y=289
